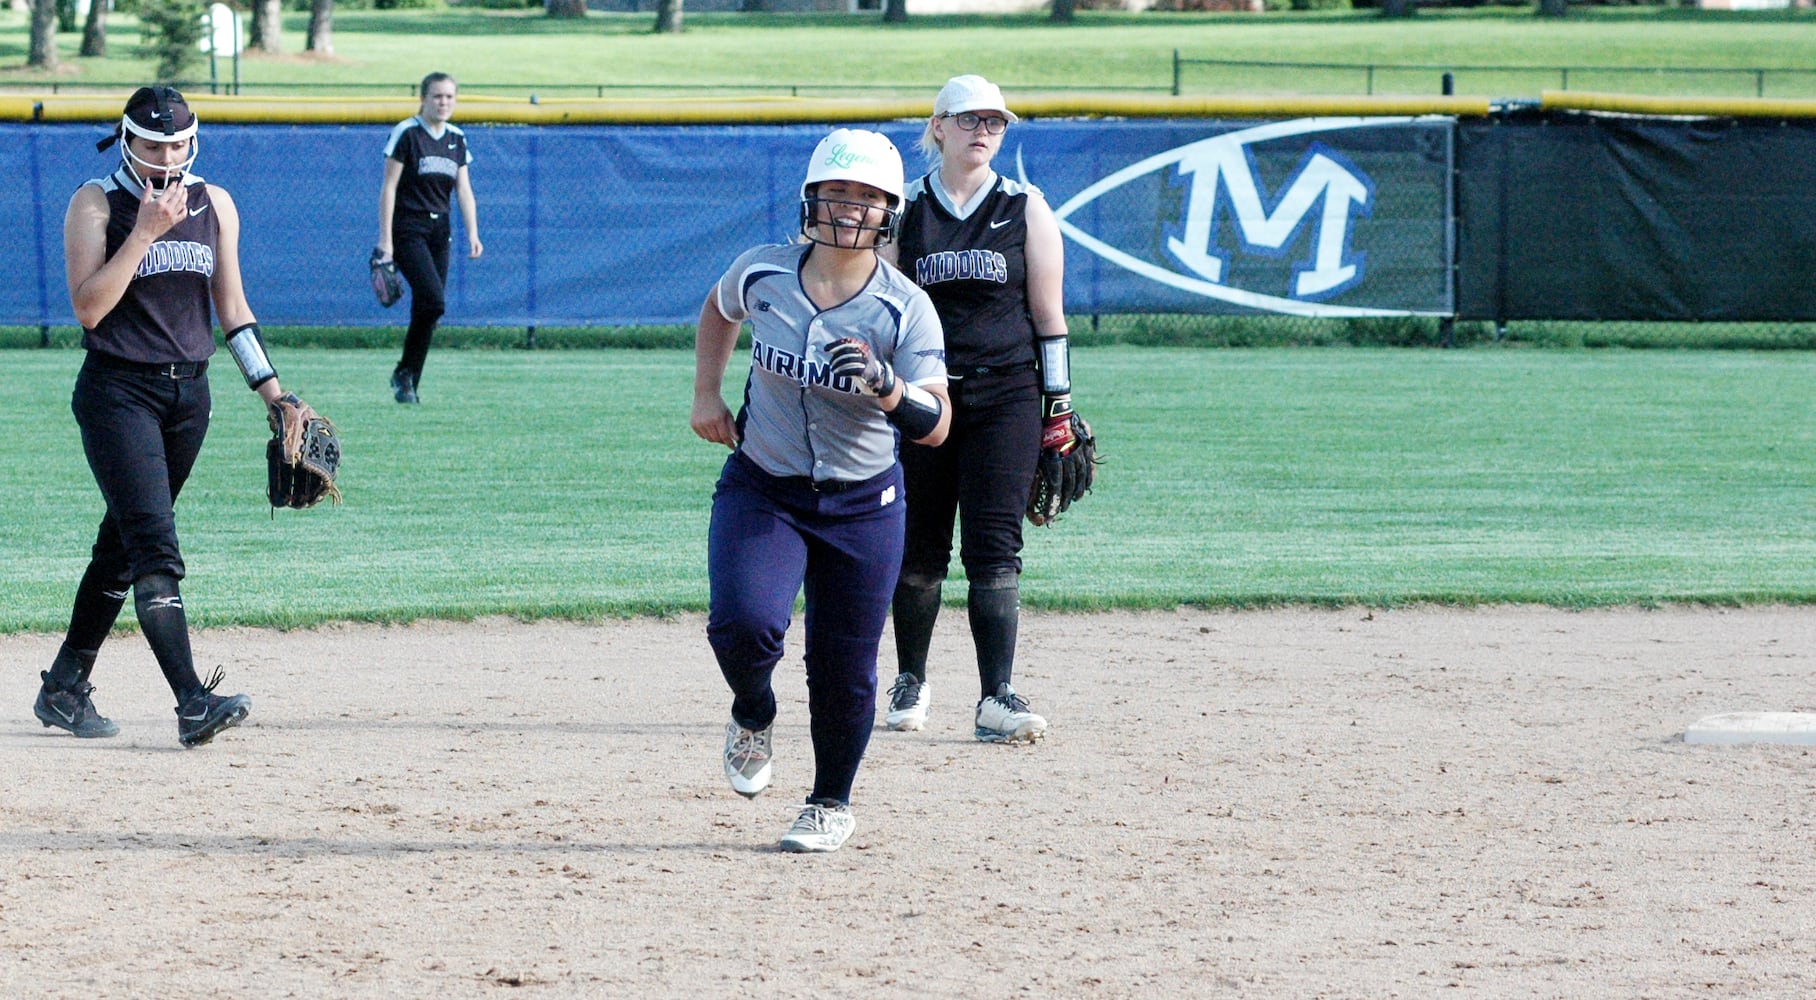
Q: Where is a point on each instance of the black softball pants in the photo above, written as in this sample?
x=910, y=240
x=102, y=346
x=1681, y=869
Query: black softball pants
x=141, y=433
x=419, y=244
x=980, y=478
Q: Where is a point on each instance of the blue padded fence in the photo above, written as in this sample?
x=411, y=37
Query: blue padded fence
x=618, y=225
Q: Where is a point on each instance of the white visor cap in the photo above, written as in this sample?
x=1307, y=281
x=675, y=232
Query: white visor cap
x=970, y=93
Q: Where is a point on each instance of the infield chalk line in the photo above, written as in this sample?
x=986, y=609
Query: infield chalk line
x=1754, y=727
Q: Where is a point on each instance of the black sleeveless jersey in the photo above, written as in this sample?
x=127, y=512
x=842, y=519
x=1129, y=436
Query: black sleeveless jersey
x=430, y=165
x=166, y=314
x=974, y=269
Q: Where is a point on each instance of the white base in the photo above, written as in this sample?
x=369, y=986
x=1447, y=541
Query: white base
x=1754, y=727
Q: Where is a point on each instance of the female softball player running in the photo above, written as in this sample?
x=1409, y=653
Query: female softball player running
x=846, y=359
x=987, y=250
x=426, y=162
x=147, y=248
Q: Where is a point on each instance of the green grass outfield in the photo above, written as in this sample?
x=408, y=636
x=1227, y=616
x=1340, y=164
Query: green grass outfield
x=1109, y=52
x=567, y=483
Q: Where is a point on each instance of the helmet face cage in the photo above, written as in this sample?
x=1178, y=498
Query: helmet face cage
x=158, y=175
x=811, y=225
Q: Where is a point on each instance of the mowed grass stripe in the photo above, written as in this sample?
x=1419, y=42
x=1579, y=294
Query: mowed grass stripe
x=568, y=484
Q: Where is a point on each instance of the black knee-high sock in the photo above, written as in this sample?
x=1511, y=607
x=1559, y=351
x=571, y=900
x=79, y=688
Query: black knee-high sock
x=166, y=628
x=994, y=616
x=915, y=609
x=99, y=598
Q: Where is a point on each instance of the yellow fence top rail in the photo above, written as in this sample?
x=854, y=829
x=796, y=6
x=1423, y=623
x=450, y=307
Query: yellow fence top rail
x=751, y=110
x=1736, y=107
x=478, y=108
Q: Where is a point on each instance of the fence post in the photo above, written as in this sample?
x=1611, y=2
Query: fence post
x=1175, y=72
x=529, y=338
x=1447, y=325
x=1371, y=79
x=1759, y=89
x=43, y=334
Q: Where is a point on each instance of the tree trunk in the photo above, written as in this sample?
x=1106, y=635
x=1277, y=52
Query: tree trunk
x=94, y=33
x=567, y=9
x=321, y=27
x=44, y=35
x=895, y=12
x=668, y=17
x=267, y=26
x=1062, y=11
x=1553, y=8
x=1397, y=8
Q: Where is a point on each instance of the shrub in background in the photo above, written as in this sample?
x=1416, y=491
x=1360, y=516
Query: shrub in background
x=169, y=31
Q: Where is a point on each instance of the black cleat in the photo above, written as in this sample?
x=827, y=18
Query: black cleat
x=70, y=708
x=403, y=385
x=207, y=713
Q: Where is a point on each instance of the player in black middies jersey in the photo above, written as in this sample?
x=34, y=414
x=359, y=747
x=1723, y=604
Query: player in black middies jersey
x=425, y=167
x=148, y=249
x=987, y=250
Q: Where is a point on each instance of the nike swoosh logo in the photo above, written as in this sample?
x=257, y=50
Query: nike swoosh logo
x=197, y=211
x=196, y=718
x=68, y=717
x=1000, y=223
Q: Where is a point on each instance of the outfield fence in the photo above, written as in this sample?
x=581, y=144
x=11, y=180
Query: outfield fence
x=1574, y=218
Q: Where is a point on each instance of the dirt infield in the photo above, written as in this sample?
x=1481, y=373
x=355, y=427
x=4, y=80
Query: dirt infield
x=1290, y=803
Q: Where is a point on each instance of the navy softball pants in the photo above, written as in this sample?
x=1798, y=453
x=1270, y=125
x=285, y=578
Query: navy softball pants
x=772, y=538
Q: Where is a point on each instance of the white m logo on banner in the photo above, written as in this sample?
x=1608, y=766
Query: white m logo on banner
x=1221, y=161
x=1324, y=193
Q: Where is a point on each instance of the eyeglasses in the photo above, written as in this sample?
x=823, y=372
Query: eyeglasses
x=969, y=122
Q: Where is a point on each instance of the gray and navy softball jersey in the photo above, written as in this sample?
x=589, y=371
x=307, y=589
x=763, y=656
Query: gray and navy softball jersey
x=797, y=420
x=972, y=261
x=165, y=315
x=430, y=164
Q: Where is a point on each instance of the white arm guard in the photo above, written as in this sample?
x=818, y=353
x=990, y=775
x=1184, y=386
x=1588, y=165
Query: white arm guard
x=1055, y=366
x=249, y=351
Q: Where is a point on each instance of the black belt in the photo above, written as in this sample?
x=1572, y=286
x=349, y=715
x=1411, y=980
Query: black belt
x=808, y=482
x=167, y=369
x=966, y=371
x=822, y=485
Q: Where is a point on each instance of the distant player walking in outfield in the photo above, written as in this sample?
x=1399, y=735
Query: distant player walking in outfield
x=147, y=249
x=845, y=360
x=426, y=162
x=987, y=250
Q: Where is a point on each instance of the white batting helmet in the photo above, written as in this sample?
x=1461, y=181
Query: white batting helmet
x=853, y=154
